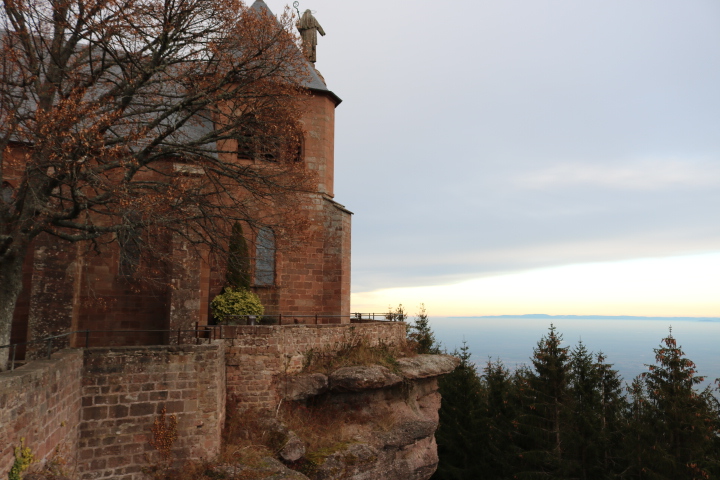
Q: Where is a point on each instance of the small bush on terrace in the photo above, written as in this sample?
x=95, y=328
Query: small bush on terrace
x=235, y=301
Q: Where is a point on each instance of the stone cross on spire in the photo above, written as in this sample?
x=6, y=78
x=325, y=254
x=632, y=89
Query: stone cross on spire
x=308, y=26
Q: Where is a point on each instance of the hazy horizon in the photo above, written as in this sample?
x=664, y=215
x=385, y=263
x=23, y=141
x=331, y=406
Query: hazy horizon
x=595, y=317
x=627, y=343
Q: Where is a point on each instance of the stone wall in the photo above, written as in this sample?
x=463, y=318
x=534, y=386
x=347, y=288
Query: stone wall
x=98, y=407
x=41, y=404
x=257, y=356
x=125, y=389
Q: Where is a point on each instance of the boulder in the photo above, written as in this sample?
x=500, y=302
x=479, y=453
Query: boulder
x=268, y=469
x=362, y=377
x=424, y=366
x=358, y=460
x=302, y=386
x=293, y=450
x=407, y=433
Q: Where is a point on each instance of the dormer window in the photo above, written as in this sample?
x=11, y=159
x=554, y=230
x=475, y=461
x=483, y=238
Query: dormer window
x=258, y=147
x=246, y=147
x=255, y=144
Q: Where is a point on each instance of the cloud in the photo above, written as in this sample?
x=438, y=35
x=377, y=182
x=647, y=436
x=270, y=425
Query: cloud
x=488, y=137
x=646, y=174
x=683, y=286
x=449, y=267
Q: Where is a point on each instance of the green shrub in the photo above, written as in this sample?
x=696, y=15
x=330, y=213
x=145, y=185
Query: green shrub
x=236, y=302
x=23, y=459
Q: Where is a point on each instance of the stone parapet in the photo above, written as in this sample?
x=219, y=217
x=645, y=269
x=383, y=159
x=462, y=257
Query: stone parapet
x=125, y=390
x=96, y=407
x=256, y=356
x=40, y=403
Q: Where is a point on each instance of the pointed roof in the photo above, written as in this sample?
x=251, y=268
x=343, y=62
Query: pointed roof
x=316, y=82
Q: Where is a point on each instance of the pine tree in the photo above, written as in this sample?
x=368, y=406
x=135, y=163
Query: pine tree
x=460, y=436
x=583, y=417
x=684, y=420
x=500, y=415
x=592, y=418
x=421, y=333
x=545, y=397
x=613, y=406
x=639, y=438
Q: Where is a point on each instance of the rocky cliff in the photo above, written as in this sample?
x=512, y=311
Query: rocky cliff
x=376, y=422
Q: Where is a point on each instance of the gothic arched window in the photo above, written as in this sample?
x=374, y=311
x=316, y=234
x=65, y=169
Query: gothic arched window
x=265, y=257
x=6, y=193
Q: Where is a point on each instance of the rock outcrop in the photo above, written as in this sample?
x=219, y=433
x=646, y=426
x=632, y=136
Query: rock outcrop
x=303, y=386
x=268, y=469
x=362, y=377
x=389, y=418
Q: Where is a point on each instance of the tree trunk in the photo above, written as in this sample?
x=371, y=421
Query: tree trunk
x=11, y=272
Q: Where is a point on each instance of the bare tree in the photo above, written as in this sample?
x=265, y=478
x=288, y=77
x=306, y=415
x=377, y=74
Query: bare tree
x=121, y=116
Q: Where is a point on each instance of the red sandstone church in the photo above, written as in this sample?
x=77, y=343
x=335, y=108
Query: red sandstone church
x=66, y=287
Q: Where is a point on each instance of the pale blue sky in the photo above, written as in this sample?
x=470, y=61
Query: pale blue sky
x=481, y=141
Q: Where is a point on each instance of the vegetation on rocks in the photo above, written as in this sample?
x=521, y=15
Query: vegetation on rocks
x=23, y=459
x=353, y=350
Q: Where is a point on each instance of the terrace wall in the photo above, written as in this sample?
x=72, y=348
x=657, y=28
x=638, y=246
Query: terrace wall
x=97, y=407
x=126, y=389
x=41, y=403
x=257, y=356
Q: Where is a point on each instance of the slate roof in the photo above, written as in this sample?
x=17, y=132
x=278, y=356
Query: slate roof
x=201, y=125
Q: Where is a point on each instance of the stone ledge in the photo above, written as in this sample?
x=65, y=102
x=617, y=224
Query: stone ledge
x=364, y=377
x=407, y=434
x=303, y=386
x=424, y=366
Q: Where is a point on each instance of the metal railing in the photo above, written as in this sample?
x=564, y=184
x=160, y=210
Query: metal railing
x=378, y=317
x=314, y=319
x=84, y=338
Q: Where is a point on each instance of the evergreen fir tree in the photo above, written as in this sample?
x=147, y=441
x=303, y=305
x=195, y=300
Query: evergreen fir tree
x=500, y=416
x=582, y=417
x=592, y=418
x=461, y=436
x=638, y=440
x=684, y=420
x=567, y=418
x=546, y=396
x=238, y=269
x=613, y=406
x=421, y=333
